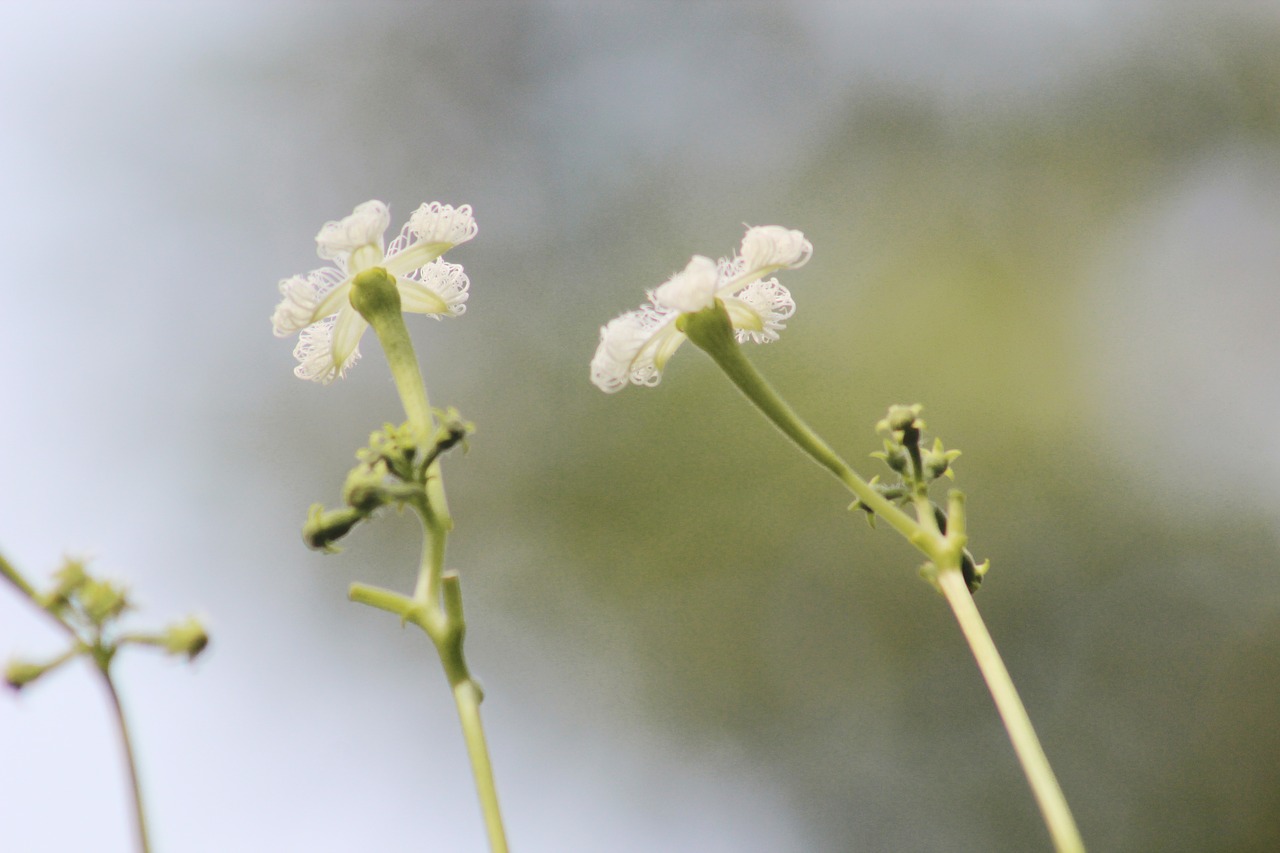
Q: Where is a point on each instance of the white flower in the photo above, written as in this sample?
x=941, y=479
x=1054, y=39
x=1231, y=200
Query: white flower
x=317, y=304
x=634, y=348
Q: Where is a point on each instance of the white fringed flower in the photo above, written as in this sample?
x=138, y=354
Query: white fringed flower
x=634, y=348
x=317, y=304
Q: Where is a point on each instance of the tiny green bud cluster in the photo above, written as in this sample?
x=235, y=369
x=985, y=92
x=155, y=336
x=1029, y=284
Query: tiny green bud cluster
x=392, y=470
x=90, y=608
x=917, y=467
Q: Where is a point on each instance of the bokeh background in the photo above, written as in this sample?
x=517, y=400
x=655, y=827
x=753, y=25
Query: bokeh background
x=1057, y=225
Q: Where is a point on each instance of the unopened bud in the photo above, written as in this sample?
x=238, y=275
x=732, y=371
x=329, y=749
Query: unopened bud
x=323, y=528
x=101, y=600
x=18, y=674
x=186, y=638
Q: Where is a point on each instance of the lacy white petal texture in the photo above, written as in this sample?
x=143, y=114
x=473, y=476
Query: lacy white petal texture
x=317, y=306
x=365, y=226
x=772, y=247
x=442, y=223
x=634, y=348
x=692, y=289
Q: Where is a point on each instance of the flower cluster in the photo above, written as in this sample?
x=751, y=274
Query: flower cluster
x=318, y=306
x=635, y=347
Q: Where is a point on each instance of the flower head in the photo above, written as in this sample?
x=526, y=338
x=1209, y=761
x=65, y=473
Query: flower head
x=317, y=305
x=634, y=347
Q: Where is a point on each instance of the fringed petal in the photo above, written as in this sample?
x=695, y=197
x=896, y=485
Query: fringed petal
x=692, y=289
x=634, y=348
x=757, y=311
x=438, y=289
x=364, y=227
x=315, y=354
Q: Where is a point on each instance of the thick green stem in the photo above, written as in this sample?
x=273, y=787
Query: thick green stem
x=1035, y=764
x=140, y=819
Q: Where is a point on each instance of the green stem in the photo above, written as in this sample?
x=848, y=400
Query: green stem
x=140, y=820
x=711, y=331
x=14, y=577
x=436, y=606
x=467, y=697
x=1035, y=764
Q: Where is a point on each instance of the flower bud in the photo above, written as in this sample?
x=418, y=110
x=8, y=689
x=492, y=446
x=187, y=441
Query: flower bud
x=67, y=580
x=322, y=528
x=101, y=600
x=363, y=489
x=186, y=638
x=901, y=418
x=18, y=674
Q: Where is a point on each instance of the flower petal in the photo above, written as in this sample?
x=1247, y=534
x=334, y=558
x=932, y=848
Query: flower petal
x=302, y=296
x=634, y=348
x=767, y=248
x=438, y=289
x=757, y=311
x=348, y=328
x=692, y=289
x=364, y=227
x=432, y=230
x=315, y=354
x=443, y=223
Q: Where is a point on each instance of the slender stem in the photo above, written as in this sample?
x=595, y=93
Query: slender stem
x=711, y=331
x=144, y=843
x=1044, y=785
x=9, y=573
x=467, y=697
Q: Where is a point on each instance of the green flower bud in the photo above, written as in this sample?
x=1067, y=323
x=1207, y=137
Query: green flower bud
x=186, y=638
x=102, y=601
x=894, y=456
x=901, y=418
x=67, y=580
x=323, y=528
x=18, y=674
x=937, y=461
x=364, y=490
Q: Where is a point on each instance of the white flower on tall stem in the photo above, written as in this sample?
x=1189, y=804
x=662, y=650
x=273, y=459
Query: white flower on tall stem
x=318, y=306
x=634, y=348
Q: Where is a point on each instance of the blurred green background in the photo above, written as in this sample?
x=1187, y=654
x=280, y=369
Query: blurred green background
x=1055, y=225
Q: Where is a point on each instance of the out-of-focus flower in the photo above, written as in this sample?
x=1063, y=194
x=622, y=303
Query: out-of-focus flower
x=634, y=347
x=317, y=305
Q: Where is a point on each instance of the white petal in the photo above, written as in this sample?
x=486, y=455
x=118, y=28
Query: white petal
x=691, y=290
x=364, y=227
x=315, y=354
x=348, y=328
x=758, y=311
x=634, y=348
x=443, y=223
x=768, y=248
x=438, y=289
x=294, y=313
x=301, y=299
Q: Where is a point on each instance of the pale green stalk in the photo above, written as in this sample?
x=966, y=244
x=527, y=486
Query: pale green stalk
x=102, y=657
x=436, y=605
x=139, y=812
x=712, y=331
